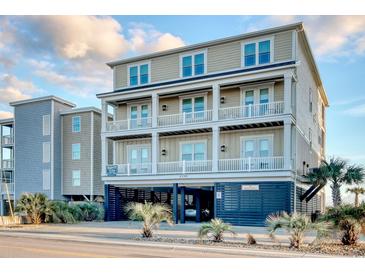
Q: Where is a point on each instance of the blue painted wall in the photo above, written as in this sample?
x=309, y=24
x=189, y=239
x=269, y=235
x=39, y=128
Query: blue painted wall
x=251, y=207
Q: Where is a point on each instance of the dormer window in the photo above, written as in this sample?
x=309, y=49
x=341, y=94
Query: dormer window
x=138, y=74
x=193, y=64
x=257, y=53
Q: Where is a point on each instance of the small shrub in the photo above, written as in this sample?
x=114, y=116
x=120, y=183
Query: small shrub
x=214, y=230
x=251, y=240
x=296, y=224
x=59, y=212
x=151, y=214
x=88, y=211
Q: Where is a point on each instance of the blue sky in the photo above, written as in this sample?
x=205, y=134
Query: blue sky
x=66, y=56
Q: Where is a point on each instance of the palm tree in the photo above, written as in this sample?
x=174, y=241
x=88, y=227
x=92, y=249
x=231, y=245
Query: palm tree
x=337, y=171
x=357, y=191
x=296, y=224
x=215, y=230
x=151, y=215
x=34, y=205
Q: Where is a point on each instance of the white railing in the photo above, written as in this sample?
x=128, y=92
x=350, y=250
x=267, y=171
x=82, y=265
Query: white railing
x=185, y=118
x=4, y=187
x=7, y=140
x=130, y=169
x=7, y=164
x=119, y=125
x=184, y=167
x=251, y=164
x=251, y=111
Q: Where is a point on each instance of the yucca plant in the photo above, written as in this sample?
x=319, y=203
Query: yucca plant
x=296, y=224
x=151, y=215
x=34, y=205
x=214, y=230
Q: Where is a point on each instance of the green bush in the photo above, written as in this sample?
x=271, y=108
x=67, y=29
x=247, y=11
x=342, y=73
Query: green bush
x=59, y=212
x=88, y=211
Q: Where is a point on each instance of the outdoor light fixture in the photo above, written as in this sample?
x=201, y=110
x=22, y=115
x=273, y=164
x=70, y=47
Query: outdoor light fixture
x=223, y=99
x=223, y=148
x=164, y=107
x=163, y=152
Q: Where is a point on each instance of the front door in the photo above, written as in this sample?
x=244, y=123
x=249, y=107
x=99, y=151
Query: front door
x=139, y=159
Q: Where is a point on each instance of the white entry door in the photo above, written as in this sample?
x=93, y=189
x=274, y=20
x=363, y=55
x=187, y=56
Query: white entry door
x=139, y=159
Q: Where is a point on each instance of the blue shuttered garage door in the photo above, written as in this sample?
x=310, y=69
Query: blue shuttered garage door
x=249, y=207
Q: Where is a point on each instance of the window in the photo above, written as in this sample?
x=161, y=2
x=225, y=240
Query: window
x=257, y=53
x=139, y=158
x=46, y=179
x=193, y=64
x=264, y=52
x=46, y=152
x=193, y=107
x=193, y=151
x=139, y=115
x=139, y=74
x=76, y=124
x=76, y=177
x=264, y=96
x=256, y=146
x=310, y=100
x=249, y=97
x=250, y=54
x=75, y=151
x=46, y=125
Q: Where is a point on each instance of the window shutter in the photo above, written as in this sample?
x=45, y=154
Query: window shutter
x=46, y=152
x=46, y=125
x=46, y=179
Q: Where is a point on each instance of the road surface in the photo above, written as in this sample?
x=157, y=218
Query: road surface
x=16, y=247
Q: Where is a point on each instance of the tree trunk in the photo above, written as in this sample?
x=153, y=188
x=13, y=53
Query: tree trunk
x=336, y=194
x=356, y=199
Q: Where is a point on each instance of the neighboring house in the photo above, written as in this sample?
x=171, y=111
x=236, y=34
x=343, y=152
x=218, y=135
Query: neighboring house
x=81, y=155
x=6, y=164
x=52, y=148
x=228, y=126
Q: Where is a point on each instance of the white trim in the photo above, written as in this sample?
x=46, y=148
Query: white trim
x=138, y=65
x=72, y=124
x=193, y=96
x=256, y=42
x=45, y=98
x=204, y=141
x=256, y=138
x=192, y=54
x=91, y=156
x=52, y=149
x=80, y=110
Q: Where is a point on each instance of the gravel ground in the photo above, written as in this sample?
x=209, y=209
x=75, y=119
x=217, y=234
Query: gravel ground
x=322, y=247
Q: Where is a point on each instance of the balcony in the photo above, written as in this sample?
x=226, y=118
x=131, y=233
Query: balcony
x=7, y=164
x=206, y=166
x=7, y=188
x=7, y=140
x=185, y=118
x=251, y=111
x=130, y=124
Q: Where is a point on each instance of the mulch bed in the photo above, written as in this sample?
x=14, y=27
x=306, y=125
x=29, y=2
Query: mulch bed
x=327, y=247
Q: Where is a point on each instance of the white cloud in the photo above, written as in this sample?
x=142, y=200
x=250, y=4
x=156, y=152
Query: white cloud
x=330, y=36
x=145, y=38
x=5, y=114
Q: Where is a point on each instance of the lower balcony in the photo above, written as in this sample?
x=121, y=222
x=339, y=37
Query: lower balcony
x=7, y=164
x=189, y=167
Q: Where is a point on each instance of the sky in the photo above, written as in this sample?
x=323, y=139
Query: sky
x=66, y=56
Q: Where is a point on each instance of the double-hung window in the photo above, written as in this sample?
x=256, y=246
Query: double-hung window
x=76, y=151
x=193, y=64
x=257, y=53
x=194, y=151
x=76, y=177
x=139, y=74
x=76, y=124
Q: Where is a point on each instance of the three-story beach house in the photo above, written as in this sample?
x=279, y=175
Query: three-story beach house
x=226, y=128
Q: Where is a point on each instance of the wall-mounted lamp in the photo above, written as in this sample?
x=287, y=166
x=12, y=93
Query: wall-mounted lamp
x=163, y=152
x=223, y=100
x=223, y=148
x=164, y=107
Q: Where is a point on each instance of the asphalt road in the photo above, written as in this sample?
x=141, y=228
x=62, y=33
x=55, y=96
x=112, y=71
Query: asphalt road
x=16, y=247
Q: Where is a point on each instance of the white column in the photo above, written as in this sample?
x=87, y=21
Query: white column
x=104, y=115
x=215, y=148
x=104, y=155
x=287, y=145
x=216, y=101
x=288, y=78
x=155, y=106
x=155, y=151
